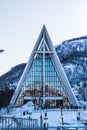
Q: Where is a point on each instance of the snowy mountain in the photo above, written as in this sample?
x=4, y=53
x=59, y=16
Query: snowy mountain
x=10, y=79
x=73, y=56
x=8, y=83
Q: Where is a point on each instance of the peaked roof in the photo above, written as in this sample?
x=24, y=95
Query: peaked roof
x=66, y=85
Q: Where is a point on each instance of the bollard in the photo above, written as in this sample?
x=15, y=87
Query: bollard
x=78, y=117
x=41, y=121
x=45, y=121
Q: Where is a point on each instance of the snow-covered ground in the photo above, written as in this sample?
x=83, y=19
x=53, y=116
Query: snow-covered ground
x=52, y=117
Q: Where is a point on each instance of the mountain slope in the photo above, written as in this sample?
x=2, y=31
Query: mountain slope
x=73, y=56
x=10, y=79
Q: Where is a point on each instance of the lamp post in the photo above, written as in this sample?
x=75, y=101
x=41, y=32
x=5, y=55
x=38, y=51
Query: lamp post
x=0, y=52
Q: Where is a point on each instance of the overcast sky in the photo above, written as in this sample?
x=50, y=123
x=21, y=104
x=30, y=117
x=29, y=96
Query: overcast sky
x=21, y=22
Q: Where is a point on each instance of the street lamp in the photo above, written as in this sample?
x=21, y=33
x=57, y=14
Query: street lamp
x=1, y=51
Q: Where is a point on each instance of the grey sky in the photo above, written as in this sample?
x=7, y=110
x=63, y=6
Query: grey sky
x=21, y=22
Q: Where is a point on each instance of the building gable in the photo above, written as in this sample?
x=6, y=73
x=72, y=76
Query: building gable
x=43, y=77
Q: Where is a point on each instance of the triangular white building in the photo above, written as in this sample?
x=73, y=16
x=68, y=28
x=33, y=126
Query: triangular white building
x=44, y=81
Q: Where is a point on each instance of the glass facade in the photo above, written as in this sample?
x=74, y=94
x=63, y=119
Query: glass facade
x=42, y=84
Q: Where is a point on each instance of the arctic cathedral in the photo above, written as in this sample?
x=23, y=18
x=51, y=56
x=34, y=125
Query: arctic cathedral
x=44, y=81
